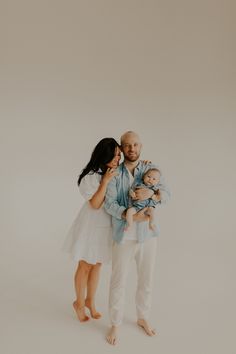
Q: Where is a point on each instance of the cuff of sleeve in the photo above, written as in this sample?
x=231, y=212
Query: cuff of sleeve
x=120, y=211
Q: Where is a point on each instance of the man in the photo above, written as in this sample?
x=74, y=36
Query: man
x=139, y=242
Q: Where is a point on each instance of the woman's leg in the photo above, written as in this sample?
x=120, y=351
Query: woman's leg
x=93, y=279
x=81, y=279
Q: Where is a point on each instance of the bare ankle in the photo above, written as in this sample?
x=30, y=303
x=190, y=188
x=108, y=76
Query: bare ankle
x=79, y=303
x=89, y=302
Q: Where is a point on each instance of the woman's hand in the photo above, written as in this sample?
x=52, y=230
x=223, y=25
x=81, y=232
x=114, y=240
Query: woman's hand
x=98, y=198
x=109, y=174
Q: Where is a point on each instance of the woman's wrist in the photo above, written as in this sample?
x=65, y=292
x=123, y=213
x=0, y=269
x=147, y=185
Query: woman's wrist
x=104, y=182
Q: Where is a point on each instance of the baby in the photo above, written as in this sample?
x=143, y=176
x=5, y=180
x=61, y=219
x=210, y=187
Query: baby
x=151, y=179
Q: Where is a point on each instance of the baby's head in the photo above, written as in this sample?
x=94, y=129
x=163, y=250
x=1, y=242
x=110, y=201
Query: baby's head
x=151, y=177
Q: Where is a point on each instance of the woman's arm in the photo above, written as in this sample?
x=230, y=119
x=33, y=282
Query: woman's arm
x=98, y=198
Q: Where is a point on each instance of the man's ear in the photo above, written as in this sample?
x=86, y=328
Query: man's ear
x=121, y=149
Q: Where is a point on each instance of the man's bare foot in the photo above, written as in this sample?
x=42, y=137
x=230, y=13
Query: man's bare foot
x=92, y=309
x=80, y=312
x=112, y=336
x=144, y=325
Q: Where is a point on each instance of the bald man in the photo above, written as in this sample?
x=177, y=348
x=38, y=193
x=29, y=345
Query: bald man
x=139, y=242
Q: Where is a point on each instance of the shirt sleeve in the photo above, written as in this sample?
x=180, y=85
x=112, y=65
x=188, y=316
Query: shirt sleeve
x=89, y=185
x=165, y=191
x=111, y=204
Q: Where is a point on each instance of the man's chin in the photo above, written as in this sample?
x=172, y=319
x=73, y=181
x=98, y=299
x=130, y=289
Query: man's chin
x=132, y=158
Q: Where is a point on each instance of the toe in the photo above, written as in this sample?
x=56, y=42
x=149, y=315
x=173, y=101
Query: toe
x=97, y=315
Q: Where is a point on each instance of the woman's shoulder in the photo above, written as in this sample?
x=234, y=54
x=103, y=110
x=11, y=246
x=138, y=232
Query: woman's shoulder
x=90, y=179
x=89, y=184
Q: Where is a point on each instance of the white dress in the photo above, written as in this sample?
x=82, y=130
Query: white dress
x=90, y=236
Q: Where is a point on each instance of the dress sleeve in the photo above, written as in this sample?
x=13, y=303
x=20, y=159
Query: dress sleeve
x=89, y=185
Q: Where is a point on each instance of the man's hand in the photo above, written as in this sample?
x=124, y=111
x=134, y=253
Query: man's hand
x=157, y=196
x=132, y=194
x=141, y=216
x=142, y=194
x=146, y=162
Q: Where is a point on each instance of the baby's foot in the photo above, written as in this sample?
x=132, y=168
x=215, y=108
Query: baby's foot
x=152, y=227
x=112, y=336
x=80, y=312
x=146, y=327
x=127, y=228
x=92, y=310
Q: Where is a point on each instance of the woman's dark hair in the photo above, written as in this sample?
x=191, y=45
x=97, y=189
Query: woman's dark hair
x=103, y=153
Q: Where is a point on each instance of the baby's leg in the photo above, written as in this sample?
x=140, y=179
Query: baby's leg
x=129, y=218
x=150, y=212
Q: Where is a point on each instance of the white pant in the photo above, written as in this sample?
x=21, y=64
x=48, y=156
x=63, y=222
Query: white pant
x=144, y=254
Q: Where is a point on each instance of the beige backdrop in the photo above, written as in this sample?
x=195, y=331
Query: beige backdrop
x=74, y=72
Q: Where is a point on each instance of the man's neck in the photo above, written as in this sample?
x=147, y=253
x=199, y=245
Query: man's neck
x=131, y=165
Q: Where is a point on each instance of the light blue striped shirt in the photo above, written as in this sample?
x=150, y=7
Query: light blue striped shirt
x=117, y=200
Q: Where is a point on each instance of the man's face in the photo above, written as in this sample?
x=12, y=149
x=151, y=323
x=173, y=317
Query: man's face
x=131, y=147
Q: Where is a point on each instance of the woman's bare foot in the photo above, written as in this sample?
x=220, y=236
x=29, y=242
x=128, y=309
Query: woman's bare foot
x=80, y=312
x=144, y=325
x=92, y=310
x=112, y=336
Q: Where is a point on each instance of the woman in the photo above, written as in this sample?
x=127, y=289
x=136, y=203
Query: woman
x=89, y=239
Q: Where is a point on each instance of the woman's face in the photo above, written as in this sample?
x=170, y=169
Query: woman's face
x=114, y=163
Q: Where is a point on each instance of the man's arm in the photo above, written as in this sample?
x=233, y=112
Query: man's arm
x=163, y=193
x=142, y=194
x=113, y=208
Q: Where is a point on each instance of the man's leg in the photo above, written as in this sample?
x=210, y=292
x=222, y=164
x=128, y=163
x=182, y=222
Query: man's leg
x=145, y=260
x=121, y=256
